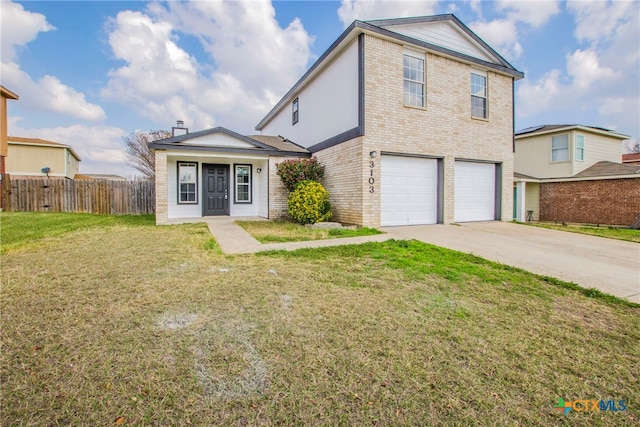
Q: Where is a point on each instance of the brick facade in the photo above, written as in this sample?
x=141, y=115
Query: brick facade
x=343, y=179
x=444, y=128
x=278, y=193
x=162, y=193
x=604, y=201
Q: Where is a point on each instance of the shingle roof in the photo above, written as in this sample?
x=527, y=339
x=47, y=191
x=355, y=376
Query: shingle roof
x=609, y=169
x=548, y=128
x=279, y=143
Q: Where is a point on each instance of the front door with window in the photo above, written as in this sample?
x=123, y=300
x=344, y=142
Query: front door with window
x=216, y=190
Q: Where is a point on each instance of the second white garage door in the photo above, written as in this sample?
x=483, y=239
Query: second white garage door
x=475, y=191
x=409, y=187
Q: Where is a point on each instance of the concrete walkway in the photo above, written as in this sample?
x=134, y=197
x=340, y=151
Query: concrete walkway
x=233, y=239
x=612, y=266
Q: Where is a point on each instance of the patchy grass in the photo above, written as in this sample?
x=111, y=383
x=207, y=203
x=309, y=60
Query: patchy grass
x=284, y=231
x=20, y=229
x=154, y=325
x=627, y=234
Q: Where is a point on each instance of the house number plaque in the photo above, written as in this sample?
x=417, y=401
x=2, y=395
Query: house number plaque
x=372, y=180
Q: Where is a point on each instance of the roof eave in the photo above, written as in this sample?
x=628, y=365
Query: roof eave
x=573, y=127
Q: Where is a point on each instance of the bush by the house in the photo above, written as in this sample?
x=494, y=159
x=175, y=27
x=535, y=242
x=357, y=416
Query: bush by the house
x=291, y=172
x=309, y=203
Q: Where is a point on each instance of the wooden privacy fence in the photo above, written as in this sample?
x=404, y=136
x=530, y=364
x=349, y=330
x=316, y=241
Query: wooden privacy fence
x=66, y=195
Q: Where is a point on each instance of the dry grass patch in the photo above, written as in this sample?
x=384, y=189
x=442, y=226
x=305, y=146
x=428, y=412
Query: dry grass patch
x=155, y=325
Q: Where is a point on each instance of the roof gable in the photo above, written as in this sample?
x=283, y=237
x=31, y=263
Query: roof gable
x=445, y=34
x=214, y=137
x=220, y=139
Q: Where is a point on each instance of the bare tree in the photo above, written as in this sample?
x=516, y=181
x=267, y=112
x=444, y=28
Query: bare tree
x=140, y=156
x=632, y=146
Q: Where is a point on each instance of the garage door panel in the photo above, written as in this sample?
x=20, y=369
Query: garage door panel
x=409, y=190
x=475, y=191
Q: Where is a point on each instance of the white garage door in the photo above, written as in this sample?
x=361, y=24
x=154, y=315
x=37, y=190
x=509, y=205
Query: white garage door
x=475, y=191
x=409, y=187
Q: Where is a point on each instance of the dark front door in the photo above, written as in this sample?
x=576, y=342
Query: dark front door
x=216, y=190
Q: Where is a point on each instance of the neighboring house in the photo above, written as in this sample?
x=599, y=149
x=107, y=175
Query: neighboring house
x=572, y=173
x=5, y=94
x=30, y=157
x=412, y=118
x=633, y=159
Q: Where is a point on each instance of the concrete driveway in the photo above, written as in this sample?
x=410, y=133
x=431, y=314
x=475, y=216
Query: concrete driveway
x=613, y=266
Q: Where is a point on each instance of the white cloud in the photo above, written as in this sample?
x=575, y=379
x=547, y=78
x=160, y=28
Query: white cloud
x=533, y=13
x=363, y=10
x=18, y=28
x=503, y=33
x=601, y=81
x=101, y=148
x=598, y=20
x=48, y=94
x=585, y=69
x=500, y=34
x=252, y=62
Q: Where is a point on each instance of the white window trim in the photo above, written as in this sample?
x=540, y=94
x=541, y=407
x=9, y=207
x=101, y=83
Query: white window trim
x=187, y=202
x=578, y=159
x=485, y=97
x=567, y=149
x=295, y=111
x=236, y=184
x=421, y=56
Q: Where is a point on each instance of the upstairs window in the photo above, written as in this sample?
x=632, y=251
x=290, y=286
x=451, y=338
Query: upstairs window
x=560, y=148
x=294, y=111
x=478, y=95
x=579, y=148
x=413, y=72
x=187, y=183
x=243, y=184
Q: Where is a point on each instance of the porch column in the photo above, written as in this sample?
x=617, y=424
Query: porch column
x=521, y=212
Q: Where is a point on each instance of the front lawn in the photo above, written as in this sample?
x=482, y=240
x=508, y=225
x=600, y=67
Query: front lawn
x=129, y=324
x=627, y=234
x=285, y=231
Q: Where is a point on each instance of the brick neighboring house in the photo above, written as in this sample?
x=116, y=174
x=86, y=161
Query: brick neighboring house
x=412, y=117
x=5, y=95
x=633, y=159
x=574, y=174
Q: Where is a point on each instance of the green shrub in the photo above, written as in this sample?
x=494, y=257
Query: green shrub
x=291, y=172
x=309, y=203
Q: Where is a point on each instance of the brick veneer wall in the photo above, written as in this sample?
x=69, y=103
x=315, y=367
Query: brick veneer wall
x=162, y=194
x=444, y=128
x=343, y=179
x=278, y=193
x=605, y=201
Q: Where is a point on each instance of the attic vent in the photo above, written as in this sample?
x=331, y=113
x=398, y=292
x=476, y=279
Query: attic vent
x=179, y=129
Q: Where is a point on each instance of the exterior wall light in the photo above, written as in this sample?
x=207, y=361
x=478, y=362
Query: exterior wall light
x=373, y=154
x=258, y=170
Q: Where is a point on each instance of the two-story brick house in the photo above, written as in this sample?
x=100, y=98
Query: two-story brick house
x=412, y=117
x=574, y=173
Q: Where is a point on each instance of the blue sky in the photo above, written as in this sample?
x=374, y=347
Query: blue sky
x=89, y=73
